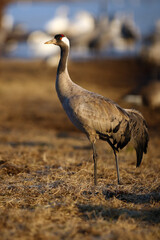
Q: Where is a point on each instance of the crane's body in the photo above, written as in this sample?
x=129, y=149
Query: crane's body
x=98, y=117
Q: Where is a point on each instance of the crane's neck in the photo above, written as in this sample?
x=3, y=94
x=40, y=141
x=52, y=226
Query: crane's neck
x=63, y=81
x=62, y=66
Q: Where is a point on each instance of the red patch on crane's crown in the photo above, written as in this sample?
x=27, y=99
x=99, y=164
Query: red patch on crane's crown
x=59, y=36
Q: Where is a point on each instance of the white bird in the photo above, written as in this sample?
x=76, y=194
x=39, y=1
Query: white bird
x=60, y=22
x=83, y=23
x=36, y=46
x=98, y=117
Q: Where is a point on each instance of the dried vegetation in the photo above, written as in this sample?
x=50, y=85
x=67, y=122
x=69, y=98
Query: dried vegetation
x=46, y=169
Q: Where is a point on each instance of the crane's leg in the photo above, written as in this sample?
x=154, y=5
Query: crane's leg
x=95, y=163
x=117, y=166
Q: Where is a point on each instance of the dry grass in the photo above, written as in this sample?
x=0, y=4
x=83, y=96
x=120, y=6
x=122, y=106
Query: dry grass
x=46, y=169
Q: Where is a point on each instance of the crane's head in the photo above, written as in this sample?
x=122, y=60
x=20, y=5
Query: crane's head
x=59, y=40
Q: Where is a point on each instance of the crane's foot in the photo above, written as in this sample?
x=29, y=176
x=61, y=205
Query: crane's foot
x=95, y=181
x=120, y=182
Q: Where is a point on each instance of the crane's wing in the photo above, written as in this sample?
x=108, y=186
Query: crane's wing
x=102, y=115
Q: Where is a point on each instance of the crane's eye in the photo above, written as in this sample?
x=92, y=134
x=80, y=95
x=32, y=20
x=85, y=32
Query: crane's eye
x=59, y=36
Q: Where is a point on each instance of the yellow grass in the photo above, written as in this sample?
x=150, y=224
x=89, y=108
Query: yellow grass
x=46, y=168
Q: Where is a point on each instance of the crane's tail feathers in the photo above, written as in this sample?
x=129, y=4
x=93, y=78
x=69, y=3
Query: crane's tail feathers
x=139, y=133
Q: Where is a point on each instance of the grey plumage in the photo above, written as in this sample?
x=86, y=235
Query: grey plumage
x=139, y=133
x=98, y=117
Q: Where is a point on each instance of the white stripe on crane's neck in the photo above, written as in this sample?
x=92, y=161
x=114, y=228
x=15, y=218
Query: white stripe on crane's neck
x=66, y=41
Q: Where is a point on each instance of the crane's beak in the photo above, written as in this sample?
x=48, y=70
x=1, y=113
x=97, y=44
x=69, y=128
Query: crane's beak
x=52, y=41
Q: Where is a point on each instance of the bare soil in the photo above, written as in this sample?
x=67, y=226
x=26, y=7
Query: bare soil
x=46, y=168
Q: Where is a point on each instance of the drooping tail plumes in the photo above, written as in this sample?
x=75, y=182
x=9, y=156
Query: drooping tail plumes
x=139, y=133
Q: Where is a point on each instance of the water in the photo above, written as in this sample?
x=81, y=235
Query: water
x=34, y=16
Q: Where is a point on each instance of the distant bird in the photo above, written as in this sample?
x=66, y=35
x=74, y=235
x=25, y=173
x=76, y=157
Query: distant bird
x=98, y=117
x=82, y=23
x=60, y=22
x=36, y=46
x=151, y=46
x=148, y=95
x=151, y=94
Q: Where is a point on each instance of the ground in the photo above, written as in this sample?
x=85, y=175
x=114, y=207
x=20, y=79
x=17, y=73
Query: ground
x=46, y=168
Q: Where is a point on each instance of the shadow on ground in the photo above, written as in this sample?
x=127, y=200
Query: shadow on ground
x=27, y=144
x=113, y=214
x=133, y=197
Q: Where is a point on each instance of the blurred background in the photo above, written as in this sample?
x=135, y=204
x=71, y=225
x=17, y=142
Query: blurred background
x=46, y=166
x=116, y=42
x=105, y=28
